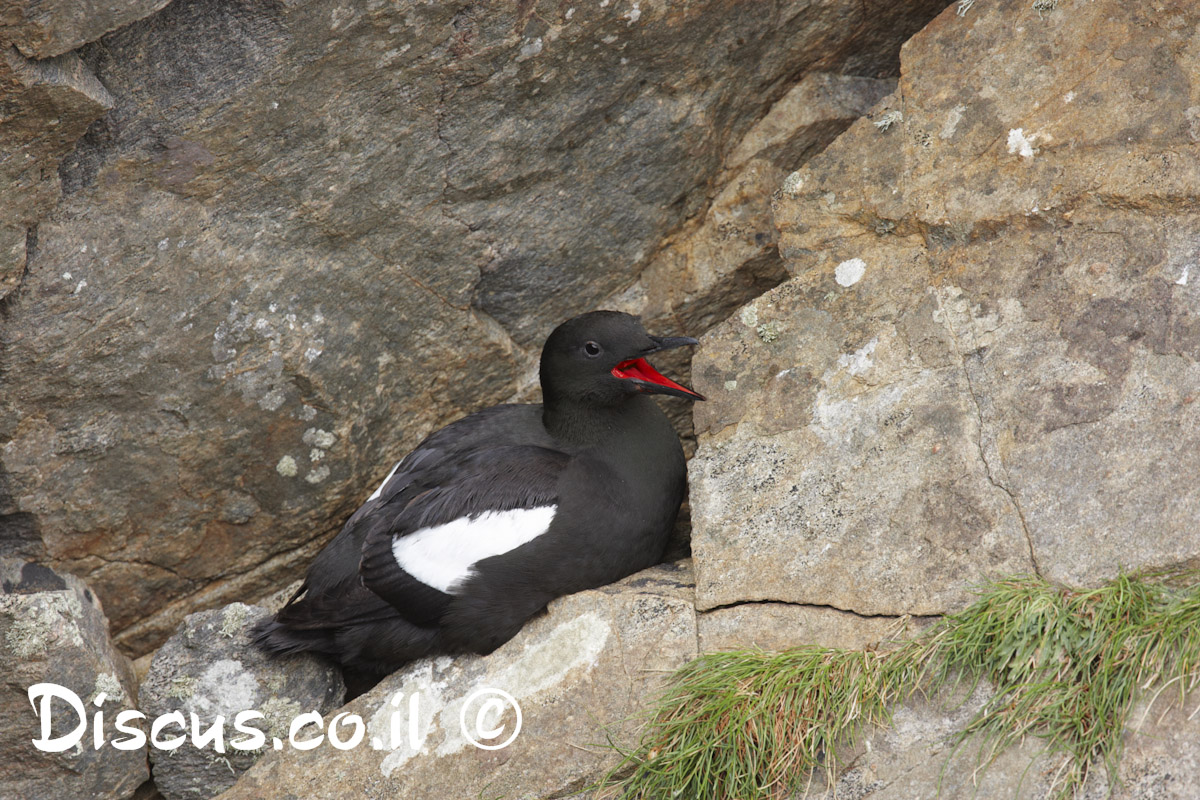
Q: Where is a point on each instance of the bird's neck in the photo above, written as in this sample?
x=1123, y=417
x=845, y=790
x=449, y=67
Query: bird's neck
x=589, y=425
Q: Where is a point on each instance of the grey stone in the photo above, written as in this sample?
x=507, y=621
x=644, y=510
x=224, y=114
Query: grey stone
x=209, y=668
x=919, y=758
x=45, y=28
x=579, y=673
x=985, y=360
x=53, y=630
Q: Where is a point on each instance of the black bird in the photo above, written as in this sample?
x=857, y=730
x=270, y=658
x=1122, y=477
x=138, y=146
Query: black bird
x=497, y=514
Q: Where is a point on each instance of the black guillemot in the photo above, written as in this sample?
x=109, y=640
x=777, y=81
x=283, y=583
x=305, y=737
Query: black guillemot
x=495, y=515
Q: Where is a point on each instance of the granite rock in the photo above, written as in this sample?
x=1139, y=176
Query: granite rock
x=210, y=669
x=44, y=28
x=45, y=106
x=53, y=631
x=986, y=358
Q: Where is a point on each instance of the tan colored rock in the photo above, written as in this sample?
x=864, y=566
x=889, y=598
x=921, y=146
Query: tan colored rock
x=46, y=107
x=577, y=672
x=729, y=253
x=45, y=28
x=843, y=460
x=306, y=234
x=986, y=358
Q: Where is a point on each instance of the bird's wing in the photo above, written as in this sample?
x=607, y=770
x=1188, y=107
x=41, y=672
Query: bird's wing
x=327, y=596
x=423, y=539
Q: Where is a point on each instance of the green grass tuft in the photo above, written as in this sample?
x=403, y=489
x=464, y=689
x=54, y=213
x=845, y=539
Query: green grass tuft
x=1065, y=665
x=755, y=724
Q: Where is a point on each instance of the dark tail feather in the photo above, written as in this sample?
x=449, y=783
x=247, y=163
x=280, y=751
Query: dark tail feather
x=280, y=639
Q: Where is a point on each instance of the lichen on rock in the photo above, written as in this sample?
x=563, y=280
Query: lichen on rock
x=209, y=669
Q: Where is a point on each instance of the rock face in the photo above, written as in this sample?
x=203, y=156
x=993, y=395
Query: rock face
x=729, y=254
x=916, y=759
x=53, y=631
x=986, y=359
x=47, y=106
x=305, y=234
x=859, y=480
x=208, y=668
x=731, y=250
x=577, y=673
x=45, y=28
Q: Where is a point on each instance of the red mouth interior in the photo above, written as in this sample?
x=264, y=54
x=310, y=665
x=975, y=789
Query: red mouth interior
x=640, y=369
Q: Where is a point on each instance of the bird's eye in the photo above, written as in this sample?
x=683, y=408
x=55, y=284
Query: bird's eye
x=592, y=349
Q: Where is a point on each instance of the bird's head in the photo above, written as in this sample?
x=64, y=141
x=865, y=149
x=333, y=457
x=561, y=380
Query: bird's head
x=600, y=358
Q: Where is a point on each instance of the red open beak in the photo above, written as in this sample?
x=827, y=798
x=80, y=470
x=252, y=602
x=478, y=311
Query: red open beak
x=650, y=380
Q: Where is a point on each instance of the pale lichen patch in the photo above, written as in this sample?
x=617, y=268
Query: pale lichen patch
x=182, y=687
x=1044, y=7
x=317, y=437
x=889, y=119
x=793, y=183
x=40, y=620
x=233, y=621
x=108, y=684
x=279, y=713
x=768, y=332
x=850, y=272
x=225, y=688
x=837, y=420
x=1020, y=144
x=287, y=467
x=859, y=361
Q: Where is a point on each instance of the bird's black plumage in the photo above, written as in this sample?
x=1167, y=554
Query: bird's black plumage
x=597, y=461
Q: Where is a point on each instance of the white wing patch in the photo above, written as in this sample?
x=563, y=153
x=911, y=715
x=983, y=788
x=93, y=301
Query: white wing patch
x=379, y=491
x=444, y=556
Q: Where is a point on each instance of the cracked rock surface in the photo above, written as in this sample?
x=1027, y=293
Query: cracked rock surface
x=986, y=359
